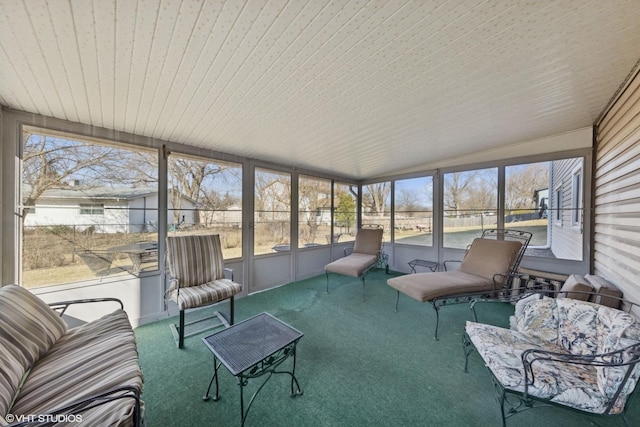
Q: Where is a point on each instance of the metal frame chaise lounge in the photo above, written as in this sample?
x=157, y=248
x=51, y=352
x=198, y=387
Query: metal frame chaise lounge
x=359, y=260
x=487, y=270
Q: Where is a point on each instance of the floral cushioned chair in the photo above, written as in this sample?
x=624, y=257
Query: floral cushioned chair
x=561, y=351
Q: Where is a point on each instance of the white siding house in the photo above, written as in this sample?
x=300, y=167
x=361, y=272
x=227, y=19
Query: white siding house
x=103, y=210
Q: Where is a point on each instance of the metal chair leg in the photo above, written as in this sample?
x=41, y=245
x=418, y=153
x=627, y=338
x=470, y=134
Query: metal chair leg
x=327, y=273
x=231, y=310
x=435, y=336
x=181, y=330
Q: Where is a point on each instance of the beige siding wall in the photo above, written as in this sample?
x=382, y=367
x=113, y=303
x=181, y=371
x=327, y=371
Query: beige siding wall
x=617, y=193
x=566, y=233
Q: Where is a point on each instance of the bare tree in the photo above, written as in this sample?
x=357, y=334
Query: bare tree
x=50, y=162
x=407, y=201
x=457, y=188
x=314, y=195
x=521, y=183
x=189, y=177
x=272, y=193
x=482, y=193
x=376, y=197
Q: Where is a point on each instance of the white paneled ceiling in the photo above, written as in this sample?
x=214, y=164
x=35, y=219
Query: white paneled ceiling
x=358, y=88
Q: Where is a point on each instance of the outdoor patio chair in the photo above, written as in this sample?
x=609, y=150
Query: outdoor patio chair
x=487, y=270
x=365, y=254
x=198, y=279
x=563, y=352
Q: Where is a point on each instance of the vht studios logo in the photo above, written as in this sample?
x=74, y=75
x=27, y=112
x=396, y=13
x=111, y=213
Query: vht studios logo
x=44, y=418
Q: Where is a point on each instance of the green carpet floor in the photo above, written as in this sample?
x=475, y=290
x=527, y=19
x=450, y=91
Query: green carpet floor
x=359, y=364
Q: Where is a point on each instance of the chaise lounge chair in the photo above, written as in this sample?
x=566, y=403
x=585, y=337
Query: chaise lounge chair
x=487, y=270
x=365, y=255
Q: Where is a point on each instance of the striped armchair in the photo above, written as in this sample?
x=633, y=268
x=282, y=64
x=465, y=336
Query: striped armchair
x=198, y=279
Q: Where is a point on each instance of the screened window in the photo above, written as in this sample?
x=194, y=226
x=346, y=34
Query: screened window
x=413, y=211
x=470, y=205
x=314, y=211
x=272, y=212
x=345, y=217
x=526, y=201
x=95, y=201
x=205, y=196
x=376, y=206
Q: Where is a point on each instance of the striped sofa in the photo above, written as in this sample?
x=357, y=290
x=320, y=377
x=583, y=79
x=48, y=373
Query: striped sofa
x=51, y=374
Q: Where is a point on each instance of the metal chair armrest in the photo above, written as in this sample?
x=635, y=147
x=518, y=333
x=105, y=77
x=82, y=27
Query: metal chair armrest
x=62, y=306
x=611, y=359
x=444, y=263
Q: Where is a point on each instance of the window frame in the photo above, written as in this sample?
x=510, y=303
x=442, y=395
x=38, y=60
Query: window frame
x=576, y=197
x=91, y=209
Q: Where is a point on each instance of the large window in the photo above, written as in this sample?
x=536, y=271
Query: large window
x=314, y=211
x=89, y=209
x=376, y=206
x=470, y=205
x=205, y=196
x=526, y=204
x=345, y=217
x=272, y=212
x=413, y=214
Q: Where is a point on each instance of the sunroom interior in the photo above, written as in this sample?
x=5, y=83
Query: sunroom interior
x=284, y=126
x=285, y=136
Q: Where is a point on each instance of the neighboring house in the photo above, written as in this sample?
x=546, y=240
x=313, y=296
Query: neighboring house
x=566, y=208
x=231, y=216
x=104, y=210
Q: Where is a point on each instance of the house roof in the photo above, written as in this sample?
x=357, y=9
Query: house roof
x=98, y=193
x=359, y=89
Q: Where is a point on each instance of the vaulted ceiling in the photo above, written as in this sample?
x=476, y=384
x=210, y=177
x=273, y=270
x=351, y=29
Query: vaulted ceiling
x=357, y=88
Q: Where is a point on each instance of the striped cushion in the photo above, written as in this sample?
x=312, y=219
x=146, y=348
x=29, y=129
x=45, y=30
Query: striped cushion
x=89, y=360
x=11, y=372
x=208, y=293
x=194, y=260
x=28, y=326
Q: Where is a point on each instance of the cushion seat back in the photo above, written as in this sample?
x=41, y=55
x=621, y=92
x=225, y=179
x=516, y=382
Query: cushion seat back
x=194, y=260
x=487, y=257
x=368, y=241
x=28, y=329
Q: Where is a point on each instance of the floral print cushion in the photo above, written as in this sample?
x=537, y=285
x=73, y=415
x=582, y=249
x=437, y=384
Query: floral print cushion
x=562, y=326
x=616, y=330
x=577, y=326
x=568, y=384
x=537, y=318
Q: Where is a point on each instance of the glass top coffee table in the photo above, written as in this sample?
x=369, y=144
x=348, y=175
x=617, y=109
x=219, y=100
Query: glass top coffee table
x=252, y=348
